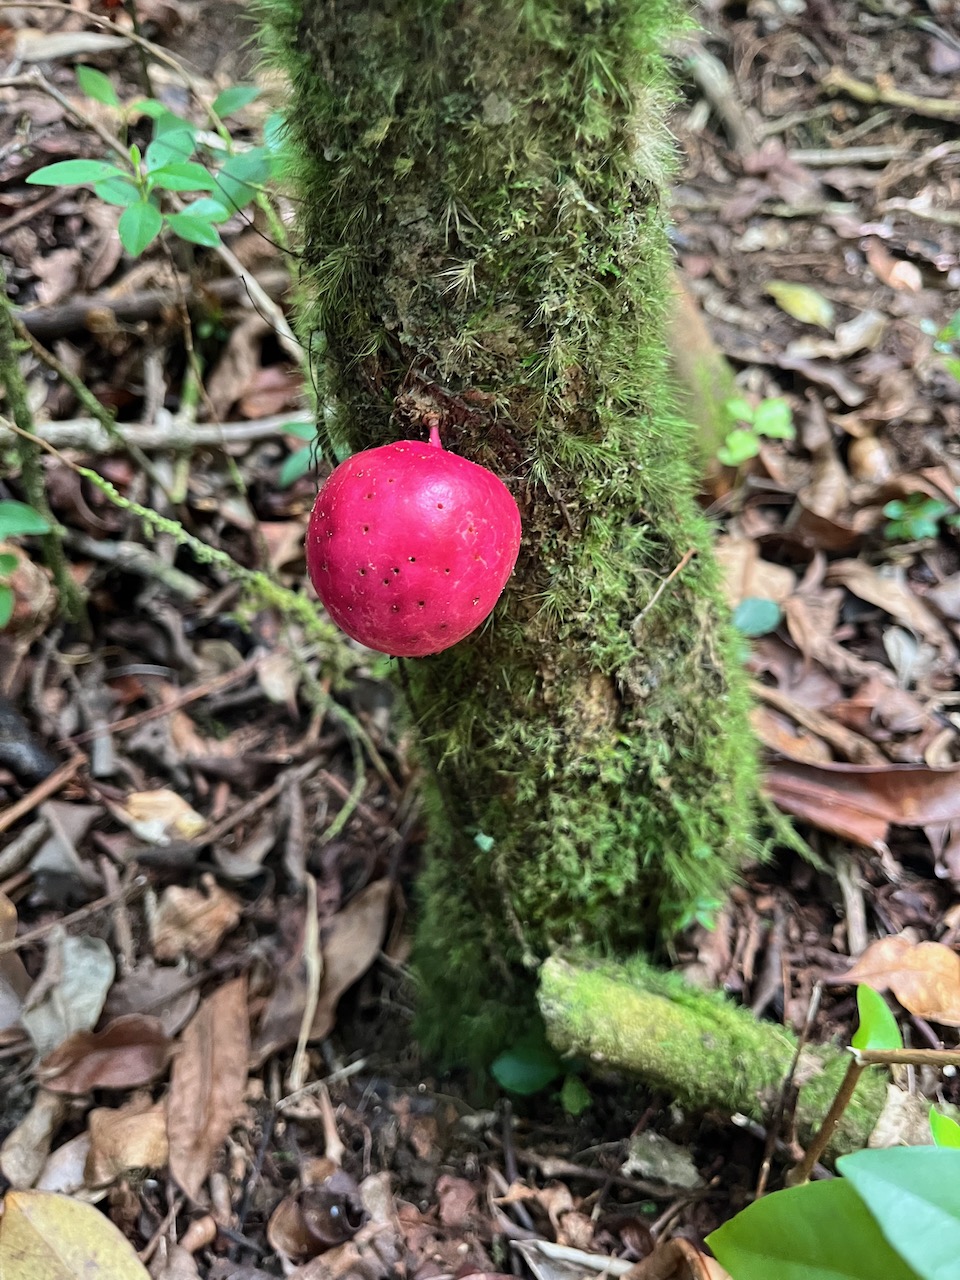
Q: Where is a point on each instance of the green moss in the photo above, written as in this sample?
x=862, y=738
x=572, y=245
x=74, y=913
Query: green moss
x=480, y=195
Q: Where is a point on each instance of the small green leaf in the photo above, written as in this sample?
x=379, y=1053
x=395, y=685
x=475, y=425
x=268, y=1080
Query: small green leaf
x=739, y=446
x=801, y=302
x=208, y=209
x=944, y=1129
x=181, y=175
x=7, y=564
x=275, y=137
x=575, y=1097
x=17, y=519
x=118, y=191
x=196, y=230
x=171, y=148
x=878, y=1027
x=6, y=606
x=240, y=178
x=526, y=1068
x=167, y=123
x=756, y=616
x=139, y=226
x=774, y=419
x=739, y=409
x=302, y=430
x=75, y=173
x=149, y=107
x=952, y=366
x=235, y=98
x=96, y=85
x=820, y=1231
x=295, y=466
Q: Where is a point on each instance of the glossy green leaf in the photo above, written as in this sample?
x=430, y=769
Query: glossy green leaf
x=526, y=1068
x=7, y=564
x=756, y=616
x=739, y=446
x=118, y=191
x=235, y=98
x=167, y=122
x=914, y=1196
x=208, y=209
x=181, y=175
x=196, y=230
x=171, y=148
x=878, y=1027
x=575, y=1097
x=139, y=226
x=96, y=85
x=944, y=1129
x=240, y=178
x=739, y=409
x=295, y=466
x=75, y=173
x=820, y=1231
x=774, y=419
x=6, y=606
x=150, y=107
x=302, y=430
x=17, y=519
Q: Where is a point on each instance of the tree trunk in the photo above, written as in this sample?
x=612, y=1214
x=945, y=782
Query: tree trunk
x=480, y=187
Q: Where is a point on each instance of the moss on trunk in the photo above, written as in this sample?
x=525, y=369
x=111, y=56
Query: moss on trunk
x=480, y=186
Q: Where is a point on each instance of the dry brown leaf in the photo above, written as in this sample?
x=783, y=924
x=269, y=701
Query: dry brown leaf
x=161, y=816
x=26, y=1147
x=166, y=993
x=350, y=942
x=924, y=976
x=677, y=1260
x=892, y=595
x=781, y=734
x=207, y=1084
x=45, y=1236
x=14, y=979
x=133, y=1137
x=317, y=1217
x=745, y=574
x=128, y=1052
x=892, y=271
x=191, y=922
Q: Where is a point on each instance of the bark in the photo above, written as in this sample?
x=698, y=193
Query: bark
x=480, y=195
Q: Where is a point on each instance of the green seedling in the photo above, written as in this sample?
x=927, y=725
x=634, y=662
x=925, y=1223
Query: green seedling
x=771, y=419
x=16, y=520
x=917, y=516
x=946, y=342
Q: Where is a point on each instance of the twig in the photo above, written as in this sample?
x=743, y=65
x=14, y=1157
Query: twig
x=776, y=1120
x=48, y=787
x=133, y=557
x=315, y=1086
x=313, y=964
x=122, y=930
x=123, y=894
x=838, y=81
x=685, y=560
x=833, y=1117
x=88, y=435
x=35, y=79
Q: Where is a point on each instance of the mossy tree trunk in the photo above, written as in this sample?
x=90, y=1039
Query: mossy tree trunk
x=481, y=192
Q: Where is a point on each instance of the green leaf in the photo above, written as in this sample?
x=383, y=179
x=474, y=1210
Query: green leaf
x=150, y=107
x=6, y=606
x=944, y=1129
x=527, y=1068
x=756, y=616
x=96, y=85
x=820, y=1231
x=952, y=366
x=739, y=409
x=302, y=430
x=575, y=1097
x=208, y=209
x=275, y=135
x=166, y=123
x=774, y=419
x=240, y=178
x=295, y=466
x=196, y=230
x=117, y=191
x=801, y=302
x=181, y=175
x=234, y=98
x=7, y=564
x=914, y=1195
x=75, y=173
x=171, y=148
x=878, y=1027
x=139, y=226
x=17, y=519
x=739, y=446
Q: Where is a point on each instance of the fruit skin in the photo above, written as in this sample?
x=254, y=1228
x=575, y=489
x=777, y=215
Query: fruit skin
x=409, y=546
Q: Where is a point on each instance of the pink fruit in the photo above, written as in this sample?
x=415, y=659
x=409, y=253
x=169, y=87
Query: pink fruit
x=409, y=547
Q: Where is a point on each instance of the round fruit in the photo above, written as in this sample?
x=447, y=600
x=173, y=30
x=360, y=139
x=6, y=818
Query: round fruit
x=409, y=547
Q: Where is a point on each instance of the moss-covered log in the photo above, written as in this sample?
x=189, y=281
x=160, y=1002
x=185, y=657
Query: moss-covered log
x=706, y=1052
x=480, y=195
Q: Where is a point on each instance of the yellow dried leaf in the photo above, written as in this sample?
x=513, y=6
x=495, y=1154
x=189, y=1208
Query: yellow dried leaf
x=801, y=302
x=45, y=1236
x=162, y=816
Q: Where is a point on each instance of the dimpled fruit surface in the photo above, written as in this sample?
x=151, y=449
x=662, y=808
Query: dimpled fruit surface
x=409, y=546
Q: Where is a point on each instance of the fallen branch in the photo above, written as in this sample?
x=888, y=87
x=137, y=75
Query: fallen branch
x=838, y=81
x=90, y=436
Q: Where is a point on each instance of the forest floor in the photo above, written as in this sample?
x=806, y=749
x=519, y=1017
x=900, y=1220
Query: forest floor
x=176, y=789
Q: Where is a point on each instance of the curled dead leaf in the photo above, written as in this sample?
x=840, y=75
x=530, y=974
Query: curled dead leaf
x=132, y=1137
x=191, y=922
x=128, y=1052
x=924, y=976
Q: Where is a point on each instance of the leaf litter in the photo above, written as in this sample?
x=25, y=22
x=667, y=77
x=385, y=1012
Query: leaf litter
x=157, y=1034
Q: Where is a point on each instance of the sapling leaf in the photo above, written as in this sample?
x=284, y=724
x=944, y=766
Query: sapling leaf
x=774, y=420
x=302, y=430
x=139, y=226
x=235, y=98
x=739, y=409
x=181, y=175
x=17, y=519
x=175, y=147
x=74, y=173
x=208, y=209
x=575, y=1097
x=878, y=1027
x=756, y=616
x=944, y=1129
x=526, y=1068
x=118, y=191
x=296, y=465
x=196, y=230
x=96, y=85
x=739, y=446
x=6, y=605
x=240, y=178
x=167, y=123
x=150, y=107
x=7, y=564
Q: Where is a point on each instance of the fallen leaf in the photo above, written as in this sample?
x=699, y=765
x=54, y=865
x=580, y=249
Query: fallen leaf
x=159, y=817
x=26, y=1147
x=132, y=1137
x=892, y=271
x=863, y=333
x=890, y=593
x=317, y=1217
x=68, y=995
x=801, y=302
x=14, y=979
x=45, y=1236
x=64, y=1170
x=349, y=944
x=677, y=1260
x=745, y=575
x=207, y=1084
x=67, y=824
x=169, y=994
x=128, y=1052
x=191, y=922
x=924, y=976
